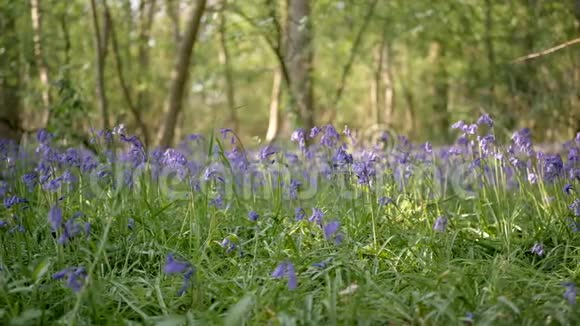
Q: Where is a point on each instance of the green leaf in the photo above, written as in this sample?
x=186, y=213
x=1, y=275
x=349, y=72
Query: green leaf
x=171, y=320
x=41, y=269
x=27, y=317
x=236, y=314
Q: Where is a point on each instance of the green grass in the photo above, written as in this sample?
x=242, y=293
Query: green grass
x=391, y=269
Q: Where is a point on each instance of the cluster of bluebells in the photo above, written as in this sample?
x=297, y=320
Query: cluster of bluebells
x=324, y=156
x=75, y=277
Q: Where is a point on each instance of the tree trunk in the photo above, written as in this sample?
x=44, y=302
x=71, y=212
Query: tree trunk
x=274, y=121
x=387, y=81
x=36, y=18
x=299, y=58
x=179, y=76
x=101, y=41
x=121, y=76
x=10, y=120
x=489, y=46
x=440, y=88
x=143, y=101
x=576, y=100
x=228, y=73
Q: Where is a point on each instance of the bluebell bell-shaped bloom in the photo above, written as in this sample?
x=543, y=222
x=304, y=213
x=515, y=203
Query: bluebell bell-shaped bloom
x=253, y=216
x=532, y=178
x=538, y=249
x=173, y=266
x=341, y=157
x=3, y=224
x=286, y=270
x=299, y=213
x=330, y=136
x=570, y=292
x=298, y=136
x=30, y=180
x=14, y=200
x=575, y=207
x=314, y=132
x=485, y=119
x=228, y=244
x=568, y=189
x=4, y=188
x=384, y=201
x=316, y=216
x=440, y=224
x=331, y=232
x=55, y=217
x=75, y=277
x=552, y=167
x=131, y=224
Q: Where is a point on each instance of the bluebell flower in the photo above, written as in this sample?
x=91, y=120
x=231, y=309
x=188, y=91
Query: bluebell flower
x=538, y=249
x=428, y=148
x=10, y=201
x=341, y=157
x=532, y=178
x=131, y=224
x=314, y=132
x=384, y=201
x=364, y=171
x=458, y=125
x=4, y=187
x=330, y=136
x=574, y=225
x=253, y=216
x=299, y=137
x=266, y=152
x=228, y=244
x=331, y=232
x=485, y=119
x=299, y=213
x=316, y=216
x=173, y=266
x=75, y=277
x=286, y=270
x=570, y=293
x=568, y=188
x=3, y=224
x=30, y=180
x=440, y=224
x=55, y=217
x=575, y=207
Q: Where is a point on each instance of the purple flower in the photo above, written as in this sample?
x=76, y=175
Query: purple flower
x=228, y=244
x=13, y=200
x=575, y=207
x=330, y=137
x=458, y=125
x=440, y=224
x=532, y=178
x=299, y=213
x=341, y=157
x=574, y=225
x=316, y=216
x=485, y=119
x=55, y=217
x=384, y=201
x=266, y=152
x=299, y=137
x=173, y=266
x=76, y=277
x=253, y=216
x=286, y=269
x=568, y=189
x=570, y=293
x=331, y=232
x=314, y=132
x=538, y=249
x=3, y=224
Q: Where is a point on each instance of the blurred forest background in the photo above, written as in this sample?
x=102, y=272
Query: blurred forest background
x=167, y=68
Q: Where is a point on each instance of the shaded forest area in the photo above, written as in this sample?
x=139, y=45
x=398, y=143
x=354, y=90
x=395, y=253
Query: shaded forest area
x=167, y=68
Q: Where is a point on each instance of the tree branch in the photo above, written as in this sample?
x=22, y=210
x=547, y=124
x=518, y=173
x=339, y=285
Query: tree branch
x=546, y=51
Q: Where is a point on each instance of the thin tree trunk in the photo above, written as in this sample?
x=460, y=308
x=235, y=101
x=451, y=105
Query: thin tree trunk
x=576, y=95
x=101, y=41
x=376, y=85
x=388, y=82
x=121, y=76
x=36, y=18
x=489, y=45
x=179, y=76
x=174, y=14
x=143, y=77
x=440, y=87
x=228, y=73
x=299, y=57
x=10, y=101
x=274, y=121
